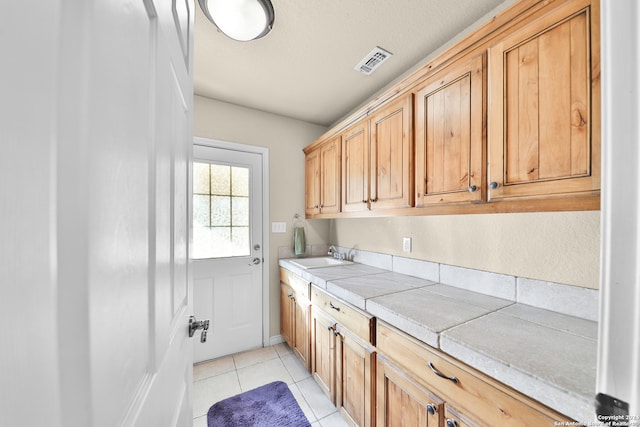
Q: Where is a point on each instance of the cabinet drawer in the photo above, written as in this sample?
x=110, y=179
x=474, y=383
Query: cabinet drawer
x=473, y=393
x=358, y=322
x=298, y=284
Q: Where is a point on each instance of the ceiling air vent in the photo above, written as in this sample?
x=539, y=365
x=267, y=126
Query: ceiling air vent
x=373, y=60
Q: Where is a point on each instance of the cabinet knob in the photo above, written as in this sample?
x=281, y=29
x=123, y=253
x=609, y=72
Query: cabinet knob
x=472, y=188
x=364, y=201
x=451, y=423
x=432, y=409
x=373, y=200
x=493, y=185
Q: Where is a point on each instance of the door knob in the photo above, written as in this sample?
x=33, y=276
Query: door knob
x=255, y=261
x=194, y=325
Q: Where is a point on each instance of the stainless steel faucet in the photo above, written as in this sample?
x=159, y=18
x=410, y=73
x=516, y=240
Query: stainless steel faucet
x=333, y=251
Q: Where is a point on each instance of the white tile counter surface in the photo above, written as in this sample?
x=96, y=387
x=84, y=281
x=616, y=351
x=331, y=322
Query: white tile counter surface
x=546, y=355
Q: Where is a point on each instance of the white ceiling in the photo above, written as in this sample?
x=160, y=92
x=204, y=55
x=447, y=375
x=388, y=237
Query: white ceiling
x=304, y=68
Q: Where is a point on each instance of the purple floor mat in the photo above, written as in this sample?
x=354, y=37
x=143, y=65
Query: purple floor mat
x=271, y=405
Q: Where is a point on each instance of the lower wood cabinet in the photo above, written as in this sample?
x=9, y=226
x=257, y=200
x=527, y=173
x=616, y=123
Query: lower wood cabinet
x=295, y=315
x=342, y=363
x=401, y=401
x=472, y=398
x=323, y=352
x=377, y=375
x=355, y=379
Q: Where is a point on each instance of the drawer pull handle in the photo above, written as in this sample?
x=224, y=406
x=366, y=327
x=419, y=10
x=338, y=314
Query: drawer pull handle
x=441, y=375
x=333, y=306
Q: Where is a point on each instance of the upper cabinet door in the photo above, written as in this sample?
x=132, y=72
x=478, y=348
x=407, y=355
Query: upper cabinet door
x=355, y=167
x=312, y=182
x=544, y=106
x=391, y=167
x=449, y=120
x=330, y=176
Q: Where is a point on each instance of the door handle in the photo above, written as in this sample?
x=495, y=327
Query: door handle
x=194, y=325
x=255, y=261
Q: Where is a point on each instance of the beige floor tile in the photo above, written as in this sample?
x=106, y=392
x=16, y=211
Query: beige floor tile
x=252, y=357
x=213, y=389
x=283, y=349
x=308, y=412
x=200, y=421
x=213, y=368
x=263, y=373
x=313, y=394
x=295, y=367
x=333, y=420
x=218, y=379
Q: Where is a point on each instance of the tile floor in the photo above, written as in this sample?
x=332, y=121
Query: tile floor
x=225, y=377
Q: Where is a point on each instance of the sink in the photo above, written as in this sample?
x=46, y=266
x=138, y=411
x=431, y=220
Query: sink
x=308, y=263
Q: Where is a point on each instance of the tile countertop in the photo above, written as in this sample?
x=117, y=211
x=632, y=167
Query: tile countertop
x=548, y=356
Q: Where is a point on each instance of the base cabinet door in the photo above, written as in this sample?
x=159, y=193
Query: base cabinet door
x=301, y=316
x=323, y=350
x=286, y=318
x=402, y=402
x=355, y=379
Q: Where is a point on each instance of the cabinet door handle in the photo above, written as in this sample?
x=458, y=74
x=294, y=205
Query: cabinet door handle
x=473, y=188
x=451, y=423
x=494, y=185
x=432, y=409
x=333, y=306
x=441, y=375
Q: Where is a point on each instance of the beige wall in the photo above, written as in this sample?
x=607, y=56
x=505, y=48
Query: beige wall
x=285, y=138
x=561, y=247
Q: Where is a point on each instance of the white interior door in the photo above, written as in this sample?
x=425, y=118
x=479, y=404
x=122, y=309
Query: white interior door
x=228, y=249
x=95, y=169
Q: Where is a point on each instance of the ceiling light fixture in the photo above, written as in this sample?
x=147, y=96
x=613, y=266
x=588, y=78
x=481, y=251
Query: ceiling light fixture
x=242, y=20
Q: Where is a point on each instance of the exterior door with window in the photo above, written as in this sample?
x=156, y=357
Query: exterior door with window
x=227, y=249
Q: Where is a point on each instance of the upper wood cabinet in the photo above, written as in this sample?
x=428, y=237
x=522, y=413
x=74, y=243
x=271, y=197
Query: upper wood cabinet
x=322, y=178
x=449, y=123
x=355, y=167
x=377, y=160
x=544, y=106
x=391, y=154
x=506, y=120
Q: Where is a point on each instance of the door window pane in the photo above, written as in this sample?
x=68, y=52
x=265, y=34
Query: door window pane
x=220, y=211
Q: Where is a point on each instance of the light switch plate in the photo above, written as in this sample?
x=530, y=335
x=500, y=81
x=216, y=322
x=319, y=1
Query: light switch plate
x=278, y=227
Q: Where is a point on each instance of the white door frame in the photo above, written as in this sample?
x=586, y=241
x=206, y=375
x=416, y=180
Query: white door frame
x=264, y=152
x=618, y=374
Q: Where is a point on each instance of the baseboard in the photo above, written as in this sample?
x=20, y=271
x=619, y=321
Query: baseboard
x=276, y=339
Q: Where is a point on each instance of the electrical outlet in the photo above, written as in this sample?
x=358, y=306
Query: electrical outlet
x=406, y=244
